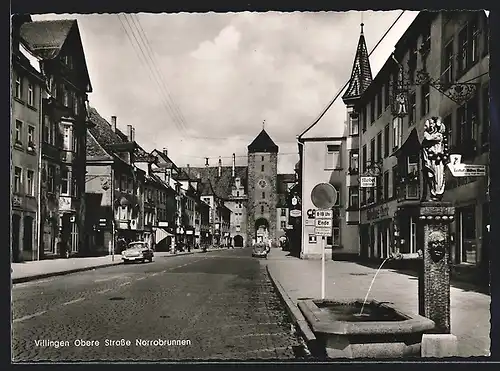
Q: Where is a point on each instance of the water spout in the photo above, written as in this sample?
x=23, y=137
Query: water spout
x=371, y=284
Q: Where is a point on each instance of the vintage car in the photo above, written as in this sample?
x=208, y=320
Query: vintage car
x=137, y=251
x=260, y=250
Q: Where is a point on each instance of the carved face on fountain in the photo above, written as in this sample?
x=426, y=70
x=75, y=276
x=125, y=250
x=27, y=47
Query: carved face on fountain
x=437, y=246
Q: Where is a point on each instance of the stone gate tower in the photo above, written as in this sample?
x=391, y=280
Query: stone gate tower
x=262, y=187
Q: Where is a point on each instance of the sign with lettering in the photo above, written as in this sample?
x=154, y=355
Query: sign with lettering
x=64, y=203
x=328, y=223
x=322, y=231
x=295, y=213
x=462, y=170
x=368, y=181
x=324, y=214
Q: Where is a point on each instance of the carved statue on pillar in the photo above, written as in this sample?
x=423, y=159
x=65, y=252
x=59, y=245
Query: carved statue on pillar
x=435, y=157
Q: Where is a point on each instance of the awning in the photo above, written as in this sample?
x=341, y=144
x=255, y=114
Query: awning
x=161, y=234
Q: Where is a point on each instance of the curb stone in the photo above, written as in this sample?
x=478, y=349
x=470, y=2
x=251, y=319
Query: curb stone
x=295, y=314
x=76, y=270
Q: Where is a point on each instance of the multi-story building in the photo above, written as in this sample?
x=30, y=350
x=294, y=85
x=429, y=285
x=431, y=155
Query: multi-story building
x=117, y=168
x=440, y=69
x=329, y=153
x=285, y=182
x=166, y=169
x=62, y=61
x=28, y=90
x=204, y=210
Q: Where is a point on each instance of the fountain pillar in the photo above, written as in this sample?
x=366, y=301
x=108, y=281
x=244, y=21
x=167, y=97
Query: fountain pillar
x=434, y=294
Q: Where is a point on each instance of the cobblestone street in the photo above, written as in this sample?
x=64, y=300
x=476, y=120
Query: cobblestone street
x=222, y=304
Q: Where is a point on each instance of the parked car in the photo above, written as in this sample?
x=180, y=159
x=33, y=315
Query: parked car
x=137, y=251
x=260, y=250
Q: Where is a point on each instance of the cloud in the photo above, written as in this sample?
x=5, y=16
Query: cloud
x=219, y=75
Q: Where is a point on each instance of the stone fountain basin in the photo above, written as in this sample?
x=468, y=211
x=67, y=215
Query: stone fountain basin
x=382, y=331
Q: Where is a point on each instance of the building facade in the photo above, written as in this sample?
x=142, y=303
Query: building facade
x=438, y=52
x=28, y=90
x=62, y=61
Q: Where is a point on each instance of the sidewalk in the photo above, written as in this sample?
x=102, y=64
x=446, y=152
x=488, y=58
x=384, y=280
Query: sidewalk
x=470, y=311
x=34, y=270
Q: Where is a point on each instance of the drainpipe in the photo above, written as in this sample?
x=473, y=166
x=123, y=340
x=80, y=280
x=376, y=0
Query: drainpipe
x=39, y=168
x=300, y=143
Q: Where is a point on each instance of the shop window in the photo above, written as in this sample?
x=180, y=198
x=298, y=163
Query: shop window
x=468, y=244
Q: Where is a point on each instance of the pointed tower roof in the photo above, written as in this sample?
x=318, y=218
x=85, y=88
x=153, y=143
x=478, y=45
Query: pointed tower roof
x=263, y=143
x=361, y=75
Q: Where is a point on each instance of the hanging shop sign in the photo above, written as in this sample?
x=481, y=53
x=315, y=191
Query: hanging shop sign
x=368, y=182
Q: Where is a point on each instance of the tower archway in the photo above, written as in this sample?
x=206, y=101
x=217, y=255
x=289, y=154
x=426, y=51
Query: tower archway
x=261, y=229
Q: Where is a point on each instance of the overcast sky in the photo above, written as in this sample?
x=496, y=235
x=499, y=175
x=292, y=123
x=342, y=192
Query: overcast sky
x=211, y=79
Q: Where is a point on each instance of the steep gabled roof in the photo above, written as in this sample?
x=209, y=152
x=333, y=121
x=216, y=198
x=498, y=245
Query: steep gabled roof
x=361, y=75
x=263, y=143
x=102, y=130
x=94, y=151
x=46, y=39
x=223, y=185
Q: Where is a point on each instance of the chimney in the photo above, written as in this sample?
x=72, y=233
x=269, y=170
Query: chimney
x=113, y=123
x=234, y=165
x=220, y=167
x=188, y=170
x=130, y=133
x=165, y=152
x=206, y=161
x=133, y=133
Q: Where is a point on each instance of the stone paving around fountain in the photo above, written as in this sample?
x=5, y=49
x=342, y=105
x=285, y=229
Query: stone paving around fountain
x=470, y=310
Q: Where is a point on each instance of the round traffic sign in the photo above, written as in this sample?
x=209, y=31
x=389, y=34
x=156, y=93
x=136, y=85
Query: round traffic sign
x=324, y=196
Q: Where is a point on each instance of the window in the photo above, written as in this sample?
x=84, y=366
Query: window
x=448, y=63
x=237, y=193
x=395, y=181
x=18, y=93
x=263, y=194
x=50, y=178
x=463, y=45
x=372, y=151
x=31, y=135
x=372, y=111
x=379, y=104
x=412, y=164
x=67, y=137
x=76, y=105
x=262, y=209
x=412, y=114
x=386, y=185
x=31, y=95
x=386, y=141
x=283, y=225
x=65, y=182
x=332, y=157
x=379, y=146
x=30, y=182
x=262, y=168
x=18, y=132
x=447, y=124
x=262, y=158
x=485, y=131
x=354, y=124
x=354, y=197
x=336, y=236
x=396, y=132
x=18, y=174
x=283, y=212
x=474, y=35
x=364, y=158
x=425, y=99
x=467, y=121
x=337, y=203
x=354, y=162
x=387, y=93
